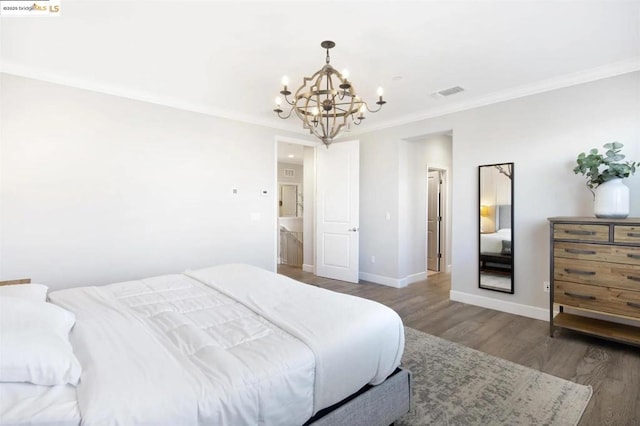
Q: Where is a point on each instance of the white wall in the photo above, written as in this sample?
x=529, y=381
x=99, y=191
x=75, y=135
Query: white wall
x=392, y=202
x=542, y=134
x=379, y=206
x=96, y=188
x=439, y=154
x=298, y=173
x=418, y=155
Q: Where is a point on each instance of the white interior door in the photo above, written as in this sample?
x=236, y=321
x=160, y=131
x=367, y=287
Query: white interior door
x=337, y=210
x=434, y=217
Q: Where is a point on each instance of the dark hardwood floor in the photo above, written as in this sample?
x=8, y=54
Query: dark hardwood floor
x=613, y=370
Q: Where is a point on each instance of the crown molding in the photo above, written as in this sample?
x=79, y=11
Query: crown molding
x=585, y=76
x=560, y=82
x=114, y=90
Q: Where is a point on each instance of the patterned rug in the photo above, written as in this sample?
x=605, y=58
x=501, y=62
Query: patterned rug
x=456, y=385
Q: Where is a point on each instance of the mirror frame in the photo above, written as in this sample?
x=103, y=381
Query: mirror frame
x=512, y=165
x=281, y=185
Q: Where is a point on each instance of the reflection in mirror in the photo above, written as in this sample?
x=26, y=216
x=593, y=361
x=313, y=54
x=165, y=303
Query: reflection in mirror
x=288, y=200
x=496, y=227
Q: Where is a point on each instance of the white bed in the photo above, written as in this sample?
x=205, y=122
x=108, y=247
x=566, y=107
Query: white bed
x=493, y=242
x=28, y=404
x=231, y=344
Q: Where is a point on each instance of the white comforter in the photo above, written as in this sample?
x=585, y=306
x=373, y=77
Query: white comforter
x=492, y=243
x=225, y=345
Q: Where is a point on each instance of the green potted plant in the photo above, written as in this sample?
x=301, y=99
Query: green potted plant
x=604, y=174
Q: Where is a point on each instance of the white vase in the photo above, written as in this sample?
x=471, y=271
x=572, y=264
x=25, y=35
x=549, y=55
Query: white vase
x=611, y=200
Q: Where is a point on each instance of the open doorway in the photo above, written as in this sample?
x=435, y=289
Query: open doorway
x=436, y=219
x=294, y=189
x=427, y=170
x=290, y=201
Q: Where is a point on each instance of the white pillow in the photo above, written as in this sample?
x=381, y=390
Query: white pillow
x=35, y=344
x=35, y=292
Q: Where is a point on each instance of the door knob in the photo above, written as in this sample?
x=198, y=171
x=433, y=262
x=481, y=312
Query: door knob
x=352, y=229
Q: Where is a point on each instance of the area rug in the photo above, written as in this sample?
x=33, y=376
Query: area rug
x=456, y=385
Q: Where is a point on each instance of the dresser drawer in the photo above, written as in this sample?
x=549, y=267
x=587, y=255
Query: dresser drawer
x=597, y=252
x=602, y=274
x=626, y=234
x=605, y=299
x=584, y=251
x=578, y=232
x=622, y=254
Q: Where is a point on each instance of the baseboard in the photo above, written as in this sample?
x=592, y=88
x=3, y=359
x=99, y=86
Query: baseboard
x=500, y=305
x=307, y=268
x=413, y=278
x=393, y=282
x=380, y=279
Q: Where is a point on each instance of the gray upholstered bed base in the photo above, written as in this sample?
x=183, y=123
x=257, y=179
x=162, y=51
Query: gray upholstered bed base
x=378, y=405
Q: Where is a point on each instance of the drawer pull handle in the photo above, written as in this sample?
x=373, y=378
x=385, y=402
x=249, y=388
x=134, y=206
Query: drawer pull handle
x=634, y=305
x=632, y=278
x=578, y=251
x=577, y=232
x=633, y=256
x=580, y=296
x=580, y=272
x=633, y=234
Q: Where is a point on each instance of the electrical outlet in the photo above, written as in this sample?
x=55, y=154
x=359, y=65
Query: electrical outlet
x=546, y=286
x=373, y=259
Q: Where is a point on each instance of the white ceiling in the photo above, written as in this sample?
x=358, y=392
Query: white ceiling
x=290, y=153
x=227, y=58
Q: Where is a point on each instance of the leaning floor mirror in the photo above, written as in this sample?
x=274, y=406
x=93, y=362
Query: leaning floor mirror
x=496, y=252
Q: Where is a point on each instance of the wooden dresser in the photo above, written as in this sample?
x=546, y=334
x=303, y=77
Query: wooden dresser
x=595, y=267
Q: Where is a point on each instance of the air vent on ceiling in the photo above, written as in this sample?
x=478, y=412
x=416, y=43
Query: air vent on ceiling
x=447, y=92
x=289, y=172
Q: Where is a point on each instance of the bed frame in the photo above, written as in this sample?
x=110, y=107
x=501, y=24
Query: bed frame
x=497, y=262
x=379, y=405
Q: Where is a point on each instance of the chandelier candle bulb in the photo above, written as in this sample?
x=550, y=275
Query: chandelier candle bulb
x=326, y=102
x=278, y=110
x=345, y=83
x=380, y=93
x=285, y=91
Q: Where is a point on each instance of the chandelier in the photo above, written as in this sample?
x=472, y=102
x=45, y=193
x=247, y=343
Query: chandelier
x=326, y=102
